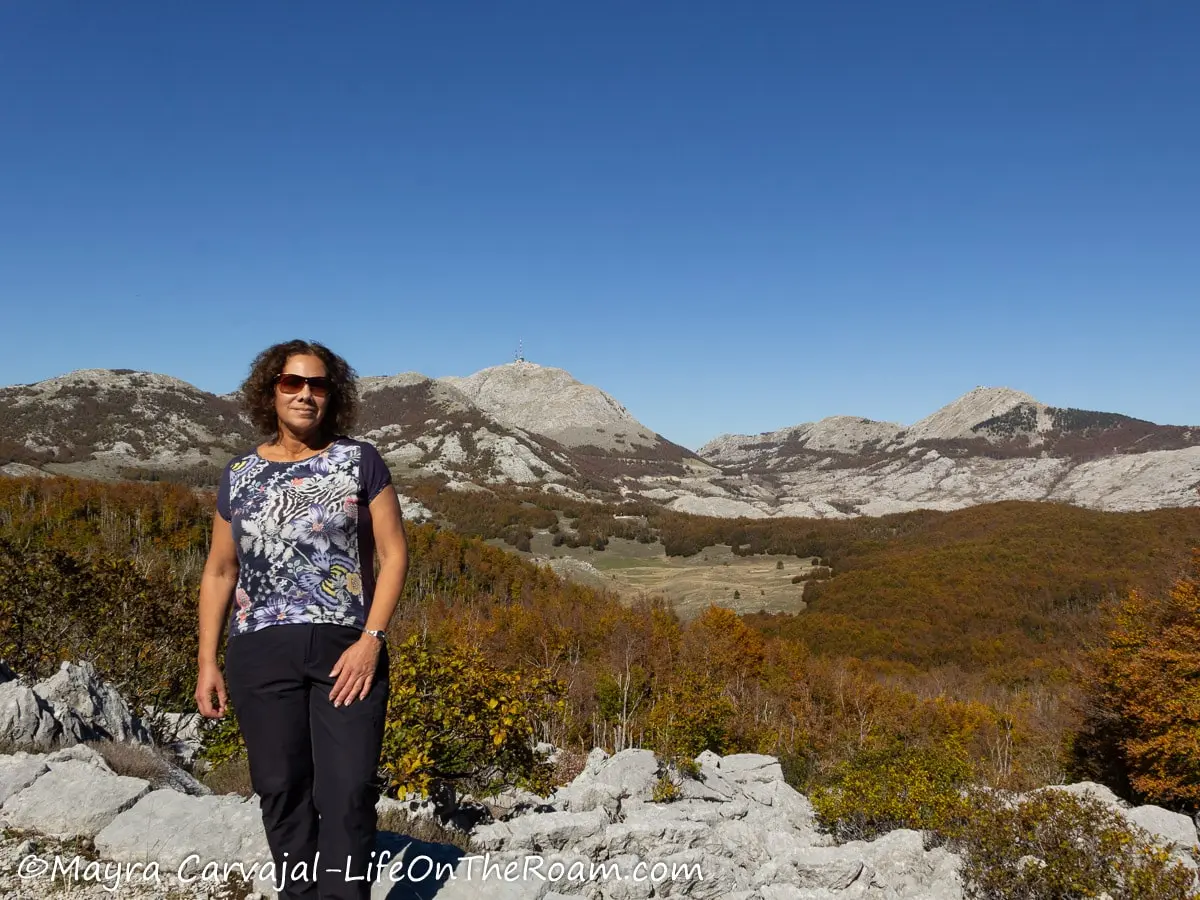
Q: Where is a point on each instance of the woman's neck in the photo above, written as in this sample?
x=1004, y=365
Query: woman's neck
x=289, y=444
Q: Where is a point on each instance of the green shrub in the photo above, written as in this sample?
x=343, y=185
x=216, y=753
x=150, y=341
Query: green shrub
x=679, y=765
x=798, y=767
x=1052, y=845
x=665, y=789
x=455, y=717
x=1047, y=845
x=222, y=740
x=880, y=790
x=672, y=770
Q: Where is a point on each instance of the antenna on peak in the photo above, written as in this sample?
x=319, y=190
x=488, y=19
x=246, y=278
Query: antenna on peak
x=519, y=356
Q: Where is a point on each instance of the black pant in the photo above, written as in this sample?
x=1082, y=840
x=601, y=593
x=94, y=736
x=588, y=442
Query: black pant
x=312, y=765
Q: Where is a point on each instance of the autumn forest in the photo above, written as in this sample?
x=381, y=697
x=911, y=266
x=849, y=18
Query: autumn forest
x=1029, y=639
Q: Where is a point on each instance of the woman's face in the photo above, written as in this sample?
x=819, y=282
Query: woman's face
x=301, y=413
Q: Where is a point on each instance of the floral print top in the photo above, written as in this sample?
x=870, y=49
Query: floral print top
x=305, y=546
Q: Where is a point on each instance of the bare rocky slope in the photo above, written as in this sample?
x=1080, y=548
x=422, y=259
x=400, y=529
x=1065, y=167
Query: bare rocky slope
x=522, y=423
x=991, y=444
x=99, y=421
x=549, y=401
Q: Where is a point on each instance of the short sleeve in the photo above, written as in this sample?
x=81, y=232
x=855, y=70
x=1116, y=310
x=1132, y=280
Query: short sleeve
x=223, y=496
x=374, y=474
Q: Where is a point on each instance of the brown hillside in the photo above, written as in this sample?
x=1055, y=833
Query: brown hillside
x=1011, y=588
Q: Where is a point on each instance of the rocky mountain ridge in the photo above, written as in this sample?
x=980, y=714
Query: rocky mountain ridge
x=991, y=421
x=989, y=445
x=525, y=424
x=107, y=416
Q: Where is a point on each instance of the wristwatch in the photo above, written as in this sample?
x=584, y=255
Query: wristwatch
x=381, y=636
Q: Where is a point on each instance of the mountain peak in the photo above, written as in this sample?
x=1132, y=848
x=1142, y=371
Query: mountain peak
x=519, y=368
x=106, y=379
x=550, y=401
x=369, y=384
x=956, y=419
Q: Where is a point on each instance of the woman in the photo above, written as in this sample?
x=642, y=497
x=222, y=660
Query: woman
x=298, y=521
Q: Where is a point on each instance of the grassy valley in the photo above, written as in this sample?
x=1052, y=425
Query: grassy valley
x=640, y=571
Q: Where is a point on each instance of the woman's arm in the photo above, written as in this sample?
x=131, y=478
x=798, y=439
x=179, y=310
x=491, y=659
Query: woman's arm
x=216, y=587
x=355, y=670
x=392, y=545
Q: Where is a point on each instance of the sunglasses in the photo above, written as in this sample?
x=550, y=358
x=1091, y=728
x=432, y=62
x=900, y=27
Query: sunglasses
x=294, y=384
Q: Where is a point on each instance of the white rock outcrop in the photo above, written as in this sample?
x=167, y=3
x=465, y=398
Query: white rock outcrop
x=88, y=708
x=26, y=720
x=75, y=797
x=71, y=706
x=737, y=831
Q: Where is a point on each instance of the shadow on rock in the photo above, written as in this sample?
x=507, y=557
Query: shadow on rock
x=415, y=869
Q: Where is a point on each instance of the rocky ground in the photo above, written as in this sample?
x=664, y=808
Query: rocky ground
x=74, y=827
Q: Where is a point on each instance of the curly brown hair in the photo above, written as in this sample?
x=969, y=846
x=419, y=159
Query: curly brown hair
x=258, y=390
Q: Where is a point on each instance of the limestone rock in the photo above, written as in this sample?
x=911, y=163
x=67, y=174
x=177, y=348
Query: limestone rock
x=504, y=876
x=1171, y=828
x=74, y=798
x=168, y=826
x=1092, y=791
x=88, y=708
x=181, y=733
x=751, y=767
x=442, y=806
x=629, y=773
x=26, y=721
x=81, y=753
x=544, y=831
x=743, y=832
x=18, y=771
x=409, y=869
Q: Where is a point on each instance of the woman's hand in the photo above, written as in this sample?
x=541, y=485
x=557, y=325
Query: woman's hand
x=355, y=671
x=209, y=682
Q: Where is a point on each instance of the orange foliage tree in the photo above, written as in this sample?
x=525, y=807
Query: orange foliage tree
x=1147, y=700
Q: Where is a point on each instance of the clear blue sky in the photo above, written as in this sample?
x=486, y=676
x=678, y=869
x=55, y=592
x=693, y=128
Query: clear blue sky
x=732, y=217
